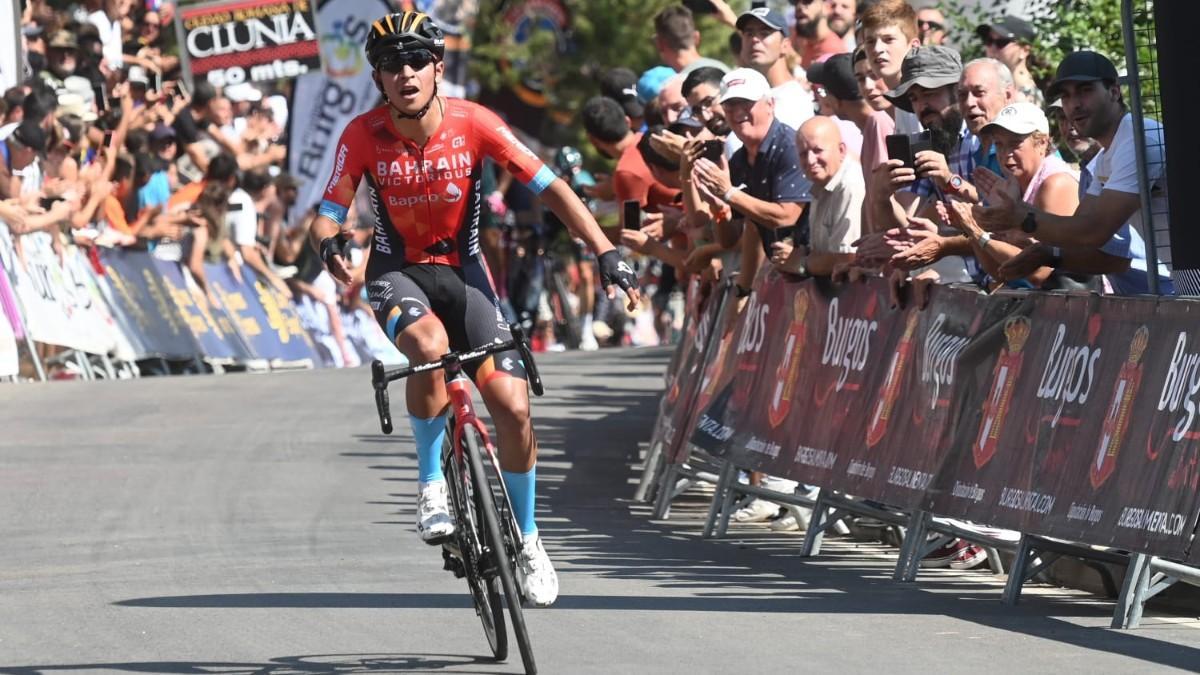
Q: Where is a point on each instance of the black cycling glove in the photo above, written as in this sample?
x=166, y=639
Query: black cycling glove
x=331, y=246
x=614, y=270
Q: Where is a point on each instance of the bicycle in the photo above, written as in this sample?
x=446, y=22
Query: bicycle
x=486, y=540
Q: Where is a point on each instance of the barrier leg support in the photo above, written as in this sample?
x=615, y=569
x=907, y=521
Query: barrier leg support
x=815, y=534
x=666, y=485
x=720, y=503
x=1138, y=562
x=727, y=497
x=649, y=472
x=911, y=548
x=1029, y=563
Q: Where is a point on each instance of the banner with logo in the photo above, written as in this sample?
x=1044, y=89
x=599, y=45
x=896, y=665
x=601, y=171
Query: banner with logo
x=235, y=41
x=324, y=101
x=1070, y=416
x=136, y=291
x=216, y=339
x=295, y=345
x=677, y=408
x=60, y=302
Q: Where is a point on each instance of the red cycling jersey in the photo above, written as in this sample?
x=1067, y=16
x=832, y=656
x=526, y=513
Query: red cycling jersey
x=426, y=200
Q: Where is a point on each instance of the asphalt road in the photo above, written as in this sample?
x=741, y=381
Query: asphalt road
x=260, y=524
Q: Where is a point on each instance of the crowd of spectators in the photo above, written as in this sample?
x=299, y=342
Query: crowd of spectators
x=104, y=143
x=841, y=140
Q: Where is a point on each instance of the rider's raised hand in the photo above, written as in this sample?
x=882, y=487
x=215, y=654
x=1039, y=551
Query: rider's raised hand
x=616, y=272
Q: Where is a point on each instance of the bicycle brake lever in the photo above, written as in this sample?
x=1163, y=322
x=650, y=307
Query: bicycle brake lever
x=382, y=405
x=531, y=371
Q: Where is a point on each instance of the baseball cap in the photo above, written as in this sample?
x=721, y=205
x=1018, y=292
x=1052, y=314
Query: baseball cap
x=1020, y=118
x=651, y=82
x=137, y=75
x=63, y=40
x=162, y=132
x=30, y=135
x=836, y=75
x=243, y=91
x=764, y=15
x=620, y=84
x=1011, y=27
x=1082, y=66
x=31, y=30
x=70, y=103
x=744, y=83
x=686, y=124
x=930, y=67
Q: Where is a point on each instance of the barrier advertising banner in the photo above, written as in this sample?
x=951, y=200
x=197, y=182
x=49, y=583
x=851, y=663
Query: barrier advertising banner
x=325, y=100
x=1069, y=416
x=59, y=307
x=136, y=292
x=215, y=342
x=282, y=320
x=236, y=41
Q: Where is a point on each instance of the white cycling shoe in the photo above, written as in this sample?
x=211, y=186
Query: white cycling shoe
x=433, y=512
x=536, y=574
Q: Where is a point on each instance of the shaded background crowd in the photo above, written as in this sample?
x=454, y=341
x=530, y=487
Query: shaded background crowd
x=822, y=137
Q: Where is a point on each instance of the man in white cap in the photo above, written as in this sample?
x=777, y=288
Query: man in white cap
x=763, y=185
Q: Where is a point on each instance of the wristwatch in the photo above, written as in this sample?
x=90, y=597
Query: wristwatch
x=955, y=184
x=1029, y=224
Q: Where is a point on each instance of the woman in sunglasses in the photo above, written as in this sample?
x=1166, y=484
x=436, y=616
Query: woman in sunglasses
x=1008, y=40
x=421, y=155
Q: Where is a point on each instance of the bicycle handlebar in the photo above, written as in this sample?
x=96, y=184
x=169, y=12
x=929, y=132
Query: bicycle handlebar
x=380, y=376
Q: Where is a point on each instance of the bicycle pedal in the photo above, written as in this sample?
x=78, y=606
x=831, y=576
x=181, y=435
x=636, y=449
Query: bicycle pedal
x=452, y=563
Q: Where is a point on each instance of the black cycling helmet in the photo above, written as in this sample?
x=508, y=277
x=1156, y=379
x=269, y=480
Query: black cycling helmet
x=402, y=32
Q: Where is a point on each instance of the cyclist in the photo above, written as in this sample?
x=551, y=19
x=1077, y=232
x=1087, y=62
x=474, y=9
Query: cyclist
x=420, y=155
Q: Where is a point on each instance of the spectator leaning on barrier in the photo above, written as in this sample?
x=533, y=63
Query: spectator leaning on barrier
x=678, y=41
x=20, y=149
x=1109, y=217
x=889, y=33
x=835, y=216
x=1021, y=134
x=812, y=38
x=762, y=182
x=1008, y=41
x=764, y=35
x=931, y=26
x=242, y=223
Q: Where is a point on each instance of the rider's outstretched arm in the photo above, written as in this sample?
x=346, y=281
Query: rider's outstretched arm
x=565, y=204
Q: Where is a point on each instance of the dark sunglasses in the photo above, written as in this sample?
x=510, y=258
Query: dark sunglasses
x=416, y=59
x=930, y=25
x=998, y=43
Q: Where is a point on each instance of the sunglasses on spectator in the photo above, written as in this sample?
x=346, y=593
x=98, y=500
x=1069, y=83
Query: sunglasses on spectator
x=997, y=42
x=416, y=59
x=930, y=25
x=701, y=107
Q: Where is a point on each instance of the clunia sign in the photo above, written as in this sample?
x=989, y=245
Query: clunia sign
x=237, y=41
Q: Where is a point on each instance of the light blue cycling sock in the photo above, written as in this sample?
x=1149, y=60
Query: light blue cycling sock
x=522, y=493
x=430, y=434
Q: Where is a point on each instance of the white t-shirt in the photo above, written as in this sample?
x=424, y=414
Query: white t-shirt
x=242, y=219
x=1116, y=168
x=110, y=38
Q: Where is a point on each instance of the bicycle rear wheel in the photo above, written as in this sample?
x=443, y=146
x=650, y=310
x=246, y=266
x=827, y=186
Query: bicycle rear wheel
x=502, y=548
x=477, y=566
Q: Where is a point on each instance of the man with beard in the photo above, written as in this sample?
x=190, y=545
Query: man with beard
x=842, y=15
x=60, y=59
x=1109, y=218
x=813, y=37
x=985, y=88
x=701, y=89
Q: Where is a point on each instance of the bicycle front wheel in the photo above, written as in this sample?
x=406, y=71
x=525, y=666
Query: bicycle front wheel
x=503, y=548
x=477, y=565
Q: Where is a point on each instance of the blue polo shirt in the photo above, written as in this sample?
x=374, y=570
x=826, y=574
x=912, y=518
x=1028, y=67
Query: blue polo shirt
x=775, y=177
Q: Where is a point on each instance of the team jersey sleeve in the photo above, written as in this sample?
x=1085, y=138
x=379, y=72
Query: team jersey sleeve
x=348, y=166
x=497, y=141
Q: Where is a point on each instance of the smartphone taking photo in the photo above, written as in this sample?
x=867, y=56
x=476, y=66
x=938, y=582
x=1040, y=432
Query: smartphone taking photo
x=631, y=214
